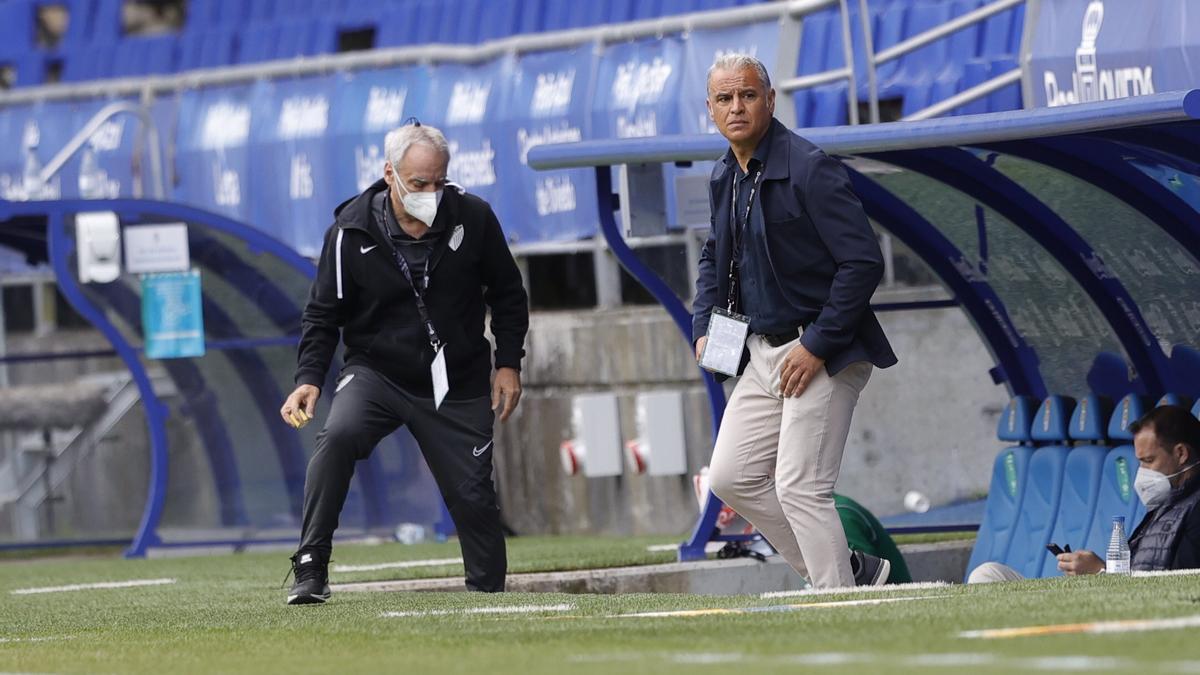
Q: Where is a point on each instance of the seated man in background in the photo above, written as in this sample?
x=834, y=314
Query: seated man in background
x=1167, y=444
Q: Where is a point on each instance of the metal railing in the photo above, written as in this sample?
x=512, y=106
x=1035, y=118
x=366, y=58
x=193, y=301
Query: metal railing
x=93, y=125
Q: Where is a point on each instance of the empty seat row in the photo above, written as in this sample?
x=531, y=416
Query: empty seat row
x=1071, y=472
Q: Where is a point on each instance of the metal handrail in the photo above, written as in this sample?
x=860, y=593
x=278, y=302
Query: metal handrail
x=966, y=96
x=93, y=125
x=921, y=40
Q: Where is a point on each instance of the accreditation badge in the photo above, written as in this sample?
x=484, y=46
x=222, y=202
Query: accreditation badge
x=726, y=341
x=441, y=383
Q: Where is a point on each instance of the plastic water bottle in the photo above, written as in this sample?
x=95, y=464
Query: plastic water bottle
x=1117, y=561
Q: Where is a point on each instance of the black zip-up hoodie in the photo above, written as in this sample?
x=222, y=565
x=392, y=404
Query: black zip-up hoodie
x=360, y=291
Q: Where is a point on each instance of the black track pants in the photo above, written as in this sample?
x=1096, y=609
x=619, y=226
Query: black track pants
x=456, y=442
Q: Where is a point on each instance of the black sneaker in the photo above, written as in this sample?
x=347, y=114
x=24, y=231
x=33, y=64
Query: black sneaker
x=312, y=579
x=869, y=570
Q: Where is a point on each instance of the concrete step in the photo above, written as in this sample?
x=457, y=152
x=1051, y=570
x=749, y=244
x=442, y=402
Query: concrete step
x=943, y=561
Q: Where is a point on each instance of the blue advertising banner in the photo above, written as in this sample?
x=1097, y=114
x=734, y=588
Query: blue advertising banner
x=19, y=167
x=464, y=102
x=637, y=89
x=172, y=315
x=547, y=103
x=291, y=168
x=369, y=104
x=1098, y=50
x=212, y=158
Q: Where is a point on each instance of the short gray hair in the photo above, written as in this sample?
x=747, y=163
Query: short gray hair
x=399, y=140
x=739, y=61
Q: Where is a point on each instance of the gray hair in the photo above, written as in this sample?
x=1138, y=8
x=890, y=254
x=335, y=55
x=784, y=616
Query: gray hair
x=399, y=140
x=737, y=61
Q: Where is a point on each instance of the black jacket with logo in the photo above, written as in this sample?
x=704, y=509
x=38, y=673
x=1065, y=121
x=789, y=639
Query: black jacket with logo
x=361, y=293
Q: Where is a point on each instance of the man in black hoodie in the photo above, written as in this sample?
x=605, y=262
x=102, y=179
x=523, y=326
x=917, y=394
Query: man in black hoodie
x=405, y=273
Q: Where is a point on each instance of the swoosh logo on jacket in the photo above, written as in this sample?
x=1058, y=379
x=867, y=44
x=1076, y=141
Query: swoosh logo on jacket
x=367, y=249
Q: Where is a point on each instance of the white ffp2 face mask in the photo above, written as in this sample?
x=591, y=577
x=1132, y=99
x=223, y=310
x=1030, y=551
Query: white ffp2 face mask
x=420, y=205
x=1154, y=487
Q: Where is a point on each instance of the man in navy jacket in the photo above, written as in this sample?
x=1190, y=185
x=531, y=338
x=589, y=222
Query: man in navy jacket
x=792, y=251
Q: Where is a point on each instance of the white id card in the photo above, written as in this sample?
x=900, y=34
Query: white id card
x=441, y=383
x=726, y=340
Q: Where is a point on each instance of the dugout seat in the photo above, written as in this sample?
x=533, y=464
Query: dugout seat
x=1007, y=486
x=1081, y=478
x=1043, y=487
x=1116, y=496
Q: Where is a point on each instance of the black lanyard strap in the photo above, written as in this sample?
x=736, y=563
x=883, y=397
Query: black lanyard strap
x=422, y=308
x=737, y=236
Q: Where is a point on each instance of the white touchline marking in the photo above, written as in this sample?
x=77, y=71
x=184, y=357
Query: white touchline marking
x=397, y=565
x=688, y=613
x=950, y=660
x=1167, y=573
x=855, y=589
x=37, y=639
x=710, y=547
x=1096, y=627
x=88, y=587
x=511, y=609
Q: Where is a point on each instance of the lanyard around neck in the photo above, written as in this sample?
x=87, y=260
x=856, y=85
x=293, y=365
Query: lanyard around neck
x=737, y=232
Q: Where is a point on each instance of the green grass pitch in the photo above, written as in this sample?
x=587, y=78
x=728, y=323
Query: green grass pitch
x=225, y=614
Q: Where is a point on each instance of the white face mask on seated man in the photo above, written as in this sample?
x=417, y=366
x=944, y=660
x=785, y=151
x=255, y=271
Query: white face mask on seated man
x=1154, y=487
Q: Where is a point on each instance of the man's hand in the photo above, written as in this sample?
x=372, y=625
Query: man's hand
x=300, y=406
x=800, y=366
x=700, y=347
x=1080, y=562
x=506, y=388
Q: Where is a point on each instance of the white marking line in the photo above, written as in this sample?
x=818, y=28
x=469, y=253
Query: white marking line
x=406, y=564
x=855, y=589
x=1093, y=628
x=511, y=609
x=88, y=587
x=955, y=661
x=4, y=640
x=1167, y=573
x=710, y=547
x=685, y=613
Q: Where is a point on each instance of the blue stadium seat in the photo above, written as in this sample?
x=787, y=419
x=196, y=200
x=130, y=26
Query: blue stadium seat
x=1017, y=31
x=531, y=17
x=1052, y=423
x=1008, y=98
x=556, y=15
x=1185, y=364
x=814, y=43
x=1038, y=514
x=396, y=29
x=1007, y=486
x=1081, y=478
x=1175, y=399
x=645, y=9
x=927, y=61
x=1128, y=410
x=500, y=19
x=828, y=105
x=207, y=49
x=802, y=99
x=1039, y=510
x=16, y=27
x=1116, y=497
x=87, y=63
x=997, y=35
x=257, y=42
x=1109, y=374
x=148, y=55
x=975, y=72
x=260, y=10
x=1077, y=506
x=888, y=31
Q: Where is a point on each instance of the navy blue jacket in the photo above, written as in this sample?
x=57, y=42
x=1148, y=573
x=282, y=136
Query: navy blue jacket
x=822, y=251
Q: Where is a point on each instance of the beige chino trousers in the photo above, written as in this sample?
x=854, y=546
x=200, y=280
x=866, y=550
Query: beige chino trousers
x=776, y=460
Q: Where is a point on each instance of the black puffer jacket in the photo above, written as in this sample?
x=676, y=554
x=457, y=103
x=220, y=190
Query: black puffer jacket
x=1169, y=537
x=360, y=293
